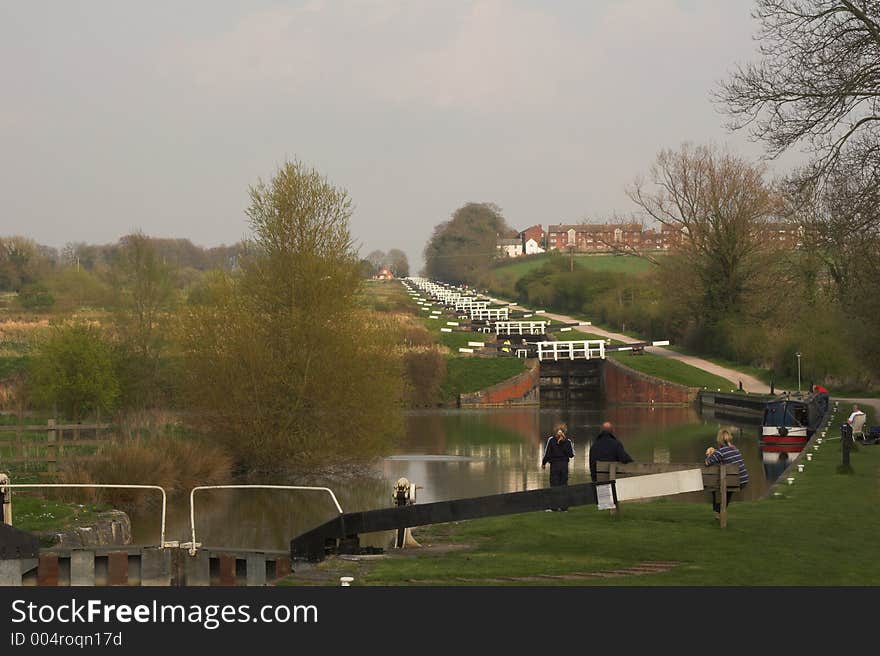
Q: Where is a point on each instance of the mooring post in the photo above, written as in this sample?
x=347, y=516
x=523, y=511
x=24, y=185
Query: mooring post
x=846, y=432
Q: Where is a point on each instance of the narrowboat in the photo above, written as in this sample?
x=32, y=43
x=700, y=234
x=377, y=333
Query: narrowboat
x=790, y=421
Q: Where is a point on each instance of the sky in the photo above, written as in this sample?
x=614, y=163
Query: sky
x=159, y=116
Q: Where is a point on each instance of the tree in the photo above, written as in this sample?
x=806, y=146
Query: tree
x=462, y=249
x=144, y=299
x=817, y=81
x=719, y=203
x=817, y=85
x=74, y=370
x=377, y=260
x=398, y=263
x=21, y=263
x=282, y=362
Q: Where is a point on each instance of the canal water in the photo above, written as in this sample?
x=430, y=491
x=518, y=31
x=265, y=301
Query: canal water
x=449, y=454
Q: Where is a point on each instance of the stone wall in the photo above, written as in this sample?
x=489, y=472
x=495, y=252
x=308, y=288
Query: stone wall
x=522, y=389
x=624, y=385
x=112, y=528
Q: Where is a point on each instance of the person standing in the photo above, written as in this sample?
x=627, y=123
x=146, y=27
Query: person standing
x=606, y=448
x=726, y=454
x=558, y=451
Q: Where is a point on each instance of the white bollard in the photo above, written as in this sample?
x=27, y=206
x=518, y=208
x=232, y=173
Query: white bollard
x=345, y=581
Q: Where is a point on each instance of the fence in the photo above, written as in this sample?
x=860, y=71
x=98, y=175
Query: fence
x=40, y=447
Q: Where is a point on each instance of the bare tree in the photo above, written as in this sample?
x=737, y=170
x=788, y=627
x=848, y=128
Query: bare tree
x=817, y=81
x=718, y=203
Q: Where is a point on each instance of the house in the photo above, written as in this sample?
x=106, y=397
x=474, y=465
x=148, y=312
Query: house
x=611, y=237
x=510, y=247
x=535, y=232
x=384, y=274
x=533, y=247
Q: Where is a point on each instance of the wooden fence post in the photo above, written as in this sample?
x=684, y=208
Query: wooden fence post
x=51, y=456
x=722, y=472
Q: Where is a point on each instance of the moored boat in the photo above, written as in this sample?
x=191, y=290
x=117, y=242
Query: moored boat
x=790, y=421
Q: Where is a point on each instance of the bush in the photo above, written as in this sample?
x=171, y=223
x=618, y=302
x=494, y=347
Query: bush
x=175, y=464
x=425, y=371
x=35, y=297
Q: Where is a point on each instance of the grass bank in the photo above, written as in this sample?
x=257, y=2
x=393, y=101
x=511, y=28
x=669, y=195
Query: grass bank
x=506, y=275
x=37, y=514
x=469, y=374
x=820, y=531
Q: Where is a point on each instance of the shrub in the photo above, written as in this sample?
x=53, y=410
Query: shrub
x=175, y=464
x=425, y=370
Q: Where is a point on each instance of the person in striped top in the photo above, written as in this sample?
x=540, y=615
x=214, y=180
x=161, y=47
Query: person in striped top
x=726, y=454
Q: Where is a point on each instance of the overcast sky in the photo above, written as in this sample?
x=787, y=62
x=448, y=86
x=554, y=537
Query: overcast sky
x=158, y=115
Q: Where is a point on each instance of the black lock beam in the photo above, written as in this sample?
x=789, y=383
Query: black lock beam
x=325, y=539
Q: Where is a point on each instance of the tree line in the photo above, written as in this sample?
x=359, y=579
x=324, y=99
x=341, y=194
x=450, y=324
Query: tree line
x=270, y=356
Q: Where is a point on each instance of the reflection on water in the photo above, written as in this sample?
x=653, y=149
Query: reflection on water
x=453, y=454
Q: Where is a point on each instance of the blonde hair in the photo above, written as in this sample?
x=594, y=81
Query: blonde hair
x=560, y=427
x=724, y=437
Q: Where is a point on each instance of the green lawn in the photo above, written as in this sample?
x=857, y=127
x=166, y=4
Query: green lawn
x=818, y=531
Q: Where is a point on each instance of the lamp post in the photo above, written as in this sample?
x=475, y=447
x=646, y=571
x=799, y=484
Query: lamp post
x=799, y=370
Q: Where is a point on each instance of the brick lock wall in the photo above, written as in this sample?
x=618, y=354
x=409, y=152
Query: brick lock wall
x=625, y=385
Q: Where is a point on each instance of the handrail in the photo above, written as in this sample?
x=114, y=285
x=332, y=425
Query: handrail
x=531, y=326
x=192, y=511
x=589, y=348
x=106, y=485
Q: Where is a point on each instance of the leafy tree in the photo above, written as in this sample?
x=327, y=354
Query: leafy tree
x=283, y=364
x=462, y=249
x=74, y=370
x=398, y=263
x=22, y=262
x=144, y=298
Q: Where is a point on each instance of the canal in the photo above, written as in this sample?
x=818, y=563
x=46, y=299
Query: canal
x=451, y=453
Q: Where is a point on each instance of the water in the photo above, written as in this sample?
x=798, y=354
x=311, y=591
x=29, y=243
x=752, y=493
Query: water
x=451, y=454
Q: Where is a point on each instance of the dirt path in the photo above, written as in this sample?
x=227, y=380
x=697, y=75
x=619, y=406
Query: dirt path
x=750, y=383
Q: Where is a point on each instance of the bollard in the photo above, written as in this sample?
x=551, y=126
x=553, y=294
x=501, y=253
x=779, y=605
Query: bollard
x=345, y=581
x=845, y=441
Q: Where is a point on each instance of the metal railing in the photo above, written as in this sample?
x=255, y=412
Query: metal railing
x=103, y=485
x=193, y=546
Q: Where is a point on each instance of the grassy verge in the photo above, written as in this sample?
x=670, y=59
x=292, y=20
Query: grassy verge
x=801, y=537
x=465, y=375
x=30, y=513
x=673, y=370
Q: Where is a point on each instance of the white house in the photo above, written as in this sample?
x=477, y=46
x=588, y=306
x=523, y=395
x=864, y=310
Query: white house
x=533, y=247
x=510, y=247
